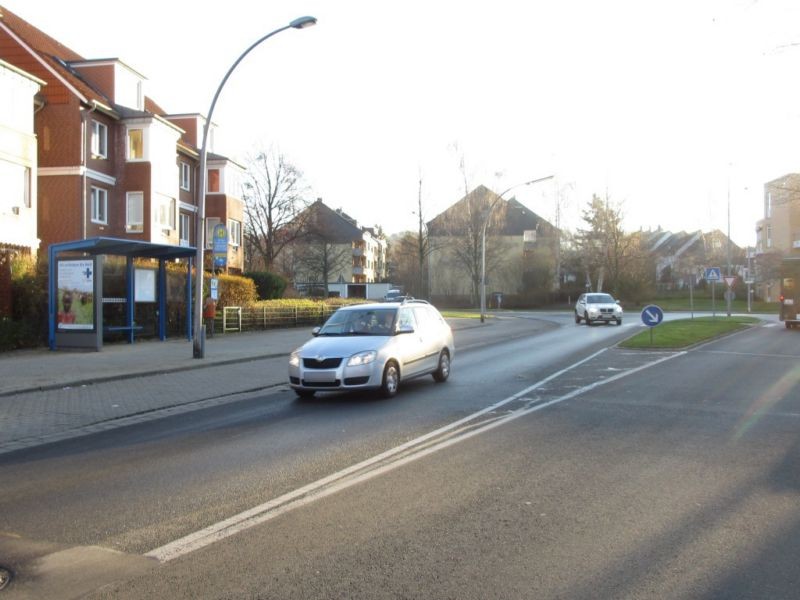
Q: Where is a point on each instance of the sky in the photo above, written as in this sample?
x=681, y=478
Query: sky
x=678, y=112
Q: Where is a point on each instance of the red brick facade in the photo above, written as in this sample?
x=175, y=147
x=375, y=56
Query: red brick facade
x=77, y=96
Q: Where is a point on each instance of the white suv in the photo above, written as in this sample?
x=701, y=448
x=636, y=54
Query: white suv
x=597, y=307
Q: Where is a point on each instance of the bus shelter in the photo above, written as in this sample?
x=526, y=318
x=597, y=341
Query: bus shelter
x=76, y=292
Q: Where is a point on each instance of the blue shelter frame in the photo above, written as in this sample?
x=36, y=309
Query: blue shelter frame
x=130, y=249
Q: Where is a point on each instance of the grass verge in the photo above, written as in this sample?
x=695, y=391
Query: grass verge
x=461, y=314
x=686, y=332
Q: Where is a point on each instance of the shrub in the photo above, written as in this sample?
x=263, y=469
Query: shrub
x=269, y=286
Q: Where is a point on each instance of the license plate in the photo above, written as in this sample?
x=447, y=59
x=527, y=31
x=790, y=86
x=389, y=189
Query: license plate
x=320, y=376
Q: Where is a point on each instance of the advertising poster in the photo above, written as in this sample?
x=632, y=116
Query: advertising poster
x=145, y=285
x=75, y=294
x=220, y=247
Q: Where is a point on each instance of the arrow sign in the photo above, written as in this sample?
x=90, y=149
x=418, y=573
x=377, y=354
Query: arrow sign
x=652, y=315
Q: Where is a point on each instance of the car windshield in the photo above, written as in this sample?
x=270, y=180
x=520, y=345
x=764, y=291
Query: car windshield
x=360, y=322
x=599, y=299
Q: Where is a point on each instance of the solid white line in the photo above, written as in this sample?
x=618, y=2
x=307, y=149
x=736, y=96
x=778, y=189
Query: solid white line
x=349, y=476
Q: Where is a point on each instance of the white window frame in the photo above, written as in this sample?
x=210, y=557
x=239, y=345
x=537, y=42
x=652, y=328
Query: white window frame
x=132, y=225
x=165, y=212
x=211, y=222
x=186, y=176
x=99, y=205
x=99, y=139
x=234, y=233
x=185, y=229
x=221, y=189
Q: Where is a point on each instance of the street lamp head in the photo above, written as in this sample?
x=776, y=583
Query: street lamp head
x=303, y=22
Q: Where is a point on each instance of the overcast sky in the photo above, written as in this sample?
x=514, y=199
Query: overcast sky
x=669, y=108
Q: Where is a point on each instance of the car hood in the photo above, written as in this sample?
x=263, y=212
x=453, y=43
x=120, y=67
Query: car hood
x=344, y=345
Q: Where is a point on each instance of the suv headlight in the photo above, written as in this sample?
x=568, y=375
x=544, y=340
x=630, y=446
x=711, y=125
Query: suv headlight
x=362, y=358
x=294, y=359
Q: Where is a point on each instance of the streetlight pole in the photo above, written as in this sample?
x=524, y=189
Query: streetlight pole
x=483, y=238
x=199, y=337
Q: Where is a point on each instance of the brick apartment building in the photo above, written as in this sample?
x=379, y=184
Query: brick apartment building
x=111, y=162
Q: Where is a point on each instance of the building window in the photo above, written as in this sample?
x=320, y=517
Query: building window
x=769, y=236
x=134, y=212
x=211, y=222
x=99, y=140
x=15, y=183
x=165, y=213
x=234, y=233
x=214, y=181
x=26, y=187
x=185, y=229
x=135, y=144
x=99, y=206
x=186, y=174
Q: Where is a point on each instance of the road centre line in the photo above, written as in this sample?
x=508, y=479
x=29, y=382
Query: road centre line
x=381, y=463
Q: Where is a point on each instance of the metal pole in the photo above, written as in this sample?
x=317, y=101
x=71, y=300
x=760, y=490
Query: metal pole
x=199, y=340
x=483, y=237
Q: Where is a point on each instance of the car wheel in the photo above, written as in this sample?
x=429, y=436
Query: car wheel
x=619, y=321
x=304, y=393
x=391, y=380
x=577, y=319
x=441, y=374
x=587, y=319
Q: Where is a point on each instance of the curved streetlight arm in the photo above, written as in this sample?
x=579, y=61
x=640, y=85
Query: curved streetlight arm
x=483, y=237
x=199, y=338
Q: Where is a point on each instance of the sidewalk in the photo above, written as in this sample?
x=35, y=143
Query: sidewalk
x=48, y=396
x=39, y=370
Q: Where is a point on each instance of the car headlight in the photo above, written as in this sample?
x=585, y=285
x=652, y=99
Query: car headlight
x=294, y=359
x=362, y=358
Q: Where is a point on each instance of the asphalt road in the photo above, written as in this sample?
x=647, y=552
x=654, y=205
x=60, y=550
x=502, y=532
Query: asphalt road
x=521, y=477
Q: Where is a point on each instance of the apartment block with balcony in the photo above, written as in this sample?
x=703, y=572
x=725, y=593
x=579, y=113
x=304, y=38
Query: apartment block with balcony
x=111, y=162
x=777, y=233
x=332, y=247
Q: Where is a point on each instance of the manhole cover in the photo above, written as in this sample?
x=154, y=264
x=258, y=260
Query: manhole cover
x=5, y=577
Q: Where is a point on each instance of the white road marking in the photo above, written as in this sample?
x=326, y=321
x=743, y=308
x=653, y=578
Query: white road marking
x=420, y=447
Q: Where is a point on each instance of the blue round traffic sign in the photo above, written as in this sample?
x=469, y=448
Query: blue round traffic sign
x=652, y=315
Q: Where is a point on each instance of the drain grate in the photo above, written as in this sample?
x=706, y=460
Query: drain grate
x=5, y=577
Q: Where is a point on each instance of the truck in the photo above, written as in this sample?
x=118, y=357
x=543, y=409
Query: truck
x=790, y=292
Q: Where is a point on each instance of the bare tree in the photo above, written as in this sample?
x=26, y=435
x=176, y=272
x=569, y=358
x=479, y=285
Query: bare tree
x=275, y=194
x=608, y=253
x=318, y=257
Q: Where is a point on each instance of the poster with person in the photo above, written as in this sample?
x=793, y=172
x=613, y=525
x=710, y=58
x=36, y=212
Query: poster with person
x=75, y=294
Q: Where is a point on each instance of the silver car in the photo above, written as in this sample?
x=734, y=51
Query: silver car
x=597, y=308
x=373, y=346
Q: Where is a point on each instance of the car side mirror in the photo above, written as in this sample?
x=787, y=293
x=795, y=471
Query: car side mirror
x=315, y=331
x=405, y=329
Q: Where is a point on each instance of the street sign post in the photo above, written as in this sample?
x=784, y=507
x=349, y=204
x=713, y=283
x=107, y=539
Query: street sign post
x=712, y=276
x=652, y=315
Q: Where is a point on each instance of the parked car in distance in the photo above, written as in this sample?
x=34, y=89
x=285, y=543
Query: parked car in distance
x=597, y=308
x=395, y=296
x=373, y=346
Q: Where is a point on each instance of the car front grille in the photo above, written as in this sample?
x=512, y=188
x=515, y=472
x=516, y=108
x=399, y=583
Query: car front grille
x=322, y=384
x=356, y=380
x=607, y=311
x=325, y=363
